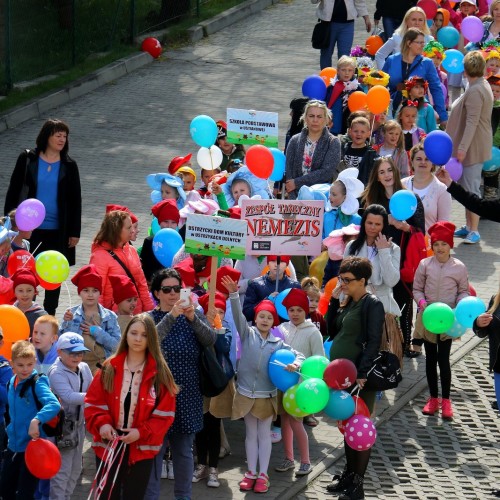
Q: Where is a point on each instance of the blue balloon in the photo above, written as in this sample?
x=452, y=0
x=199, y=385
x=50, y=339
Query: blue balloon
x=328, y=345
x=403, y=204
x=314, y=87
x=494, y=163
x=448, y=36
x=278, y=303
x=203, y=130
x=457, y=330
x=282, y=379
x=454, y=61
x=468, y=310
x=340, y=405
x=166, y=243
x=279, y=165
x=430, y=22
x=438, y=147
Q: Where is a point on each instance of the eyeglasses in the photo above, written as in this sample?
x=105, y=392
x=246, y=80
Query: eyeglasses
x=347, y=280
x=168, y=289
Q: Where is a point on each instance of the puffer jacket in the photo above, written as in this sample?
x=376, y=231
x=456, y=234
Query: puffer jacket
x=107, y=265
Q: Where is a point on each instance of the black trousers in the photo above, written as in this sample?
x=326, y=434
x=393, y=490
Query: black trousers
x=208, y=441
x=17, y=482
x=438, y=354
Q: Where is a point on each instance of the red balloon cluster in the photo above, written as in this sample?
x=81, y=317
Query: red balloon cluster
x=42, y=458
x=340, y=374
x=152, y=46
x=23, y=259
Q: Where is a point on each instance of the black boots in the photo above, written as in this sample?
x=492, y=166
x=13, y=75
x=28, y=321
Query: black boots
x=340, y=482
x=355, y=490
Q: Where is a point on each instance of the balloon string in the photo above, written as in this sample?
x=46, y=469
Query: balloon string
x=69, y=294
x=283, y=365
x=31, y=256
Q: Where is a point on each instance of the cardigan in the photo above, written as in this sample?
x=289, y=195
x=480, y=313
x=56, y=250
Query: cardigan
x=355, y=8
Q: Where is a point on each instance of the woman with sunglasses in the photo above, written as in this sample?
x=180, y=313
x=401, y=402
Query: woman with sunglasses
x=182, y=330
x=356, y=325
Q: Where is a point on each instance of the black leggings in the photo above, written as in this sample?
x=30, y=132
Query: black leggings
x=208, y=441
x=438, y=354
x=403, y=296
x=17, y=481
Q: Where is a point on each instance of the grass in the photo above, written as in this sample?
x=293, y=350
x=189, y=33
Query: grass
x=102, y=36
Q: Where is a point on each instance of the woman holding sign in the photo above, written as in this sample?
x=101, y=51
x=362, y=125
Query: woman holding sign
x=313, y=154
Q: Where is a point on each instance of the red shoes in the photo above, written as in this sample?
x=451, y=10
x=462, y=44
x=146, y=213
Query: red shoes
x=431, y=407
x=446, y=409
x=248, y=481
x=262, y=484
x=434, y=404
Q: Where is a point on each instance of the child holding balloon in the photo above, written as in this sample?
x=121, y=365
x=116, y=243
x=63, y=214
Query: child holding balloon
x=255, y=398
x=440, y=278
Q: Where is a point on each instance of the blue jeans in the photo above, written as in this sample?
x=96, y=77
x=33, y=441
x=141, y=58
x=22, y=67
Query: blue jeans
x=342, y=35
x=390, y=25
x=181, y=446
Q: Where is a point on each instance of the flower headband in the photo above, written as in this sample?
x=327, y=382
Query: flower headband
x=434, y=49
x=377, y=78
x=408, y=103
x=490, y=45
x=491, y=54
x=358, y=51
x=411, y=82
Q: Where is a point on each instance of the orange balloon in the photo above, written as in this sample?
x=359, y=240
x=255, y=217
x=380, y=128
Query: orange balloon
x=378, y=99
x=14, y=324
x=329, y=287
x=357, y=101
x=327, y=74
x=373, y=43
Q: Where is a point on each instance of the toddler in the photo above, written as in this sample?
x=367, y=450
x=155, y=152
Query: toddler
x=166, y=187
x=393, y=146
x=416, y=89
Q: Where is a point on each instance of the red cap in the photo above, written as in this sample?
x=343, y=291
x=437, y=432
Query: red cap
x=233, y=273
x=283, y=258
x=111, y=207
x=220, y=301
x=442, y=231
x=166, y=210
x=186, y=270
x=87, y=277
x=25, y=277
x=267, y=305
x=123, y=288
x=177, y=163
x=205, y=272
x=235, y=212
x=297, y=297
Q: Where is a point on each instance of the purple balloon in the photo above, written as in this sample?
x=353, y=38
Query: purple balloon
x=455, y=169
x=278, y=333
x=30, y=214
x=472, y=28
x=445, y=91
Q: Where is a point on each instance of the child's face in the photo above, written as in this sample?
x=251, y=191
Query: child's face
x=408, y=117
x=359, y=134
x=23, y=367
x=438, y=20
x=417, y=92
x=345, y=73
x=188, y=182
x=221, y=313
x=137, y=339
x=206, y=175
x=437, y=61
x=264, y=321
x=467, y=9
x=90, y=296
x=273, y=266
x=43, y=336
x=313, y=302
x=380, y=119
x=127, y=306
x=5, y=247
x=168, y=192
x=297, y=315
x=337, y=196
x=239, y=188
x=24, y=294
x=225, y=146
x=391, y=137
x=496, y=92
x=416, y=20
x=70, y=360
x=441, y=250
x=492, y=66
x=168, y=224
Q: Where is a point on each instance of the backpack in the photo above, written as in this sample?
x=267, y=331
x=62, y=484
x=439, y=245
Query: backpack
x=416, y=250
x=54, y=427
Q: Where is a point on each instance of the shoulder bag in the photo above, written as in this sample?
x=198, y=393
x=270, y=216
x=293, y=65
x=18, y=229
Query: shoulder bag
x=213, y=379
x=125, y=268
x=321, y=35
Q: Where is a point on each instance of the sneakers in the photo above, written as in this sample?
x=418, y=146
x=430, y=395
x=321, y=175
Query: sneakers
x=447, y=409
x=213, y=478
x=431, y=407
x=262, y=484
x=164, y=470
x=285, y=465
x=462, y=232
x=248, y=481
x=340, y=481
x=275, y=435
x=304, y=469
x=224, y=452
x=355, y=490
x=170, y=470
x=201, y=472
x=472, y=238
x=311, y=421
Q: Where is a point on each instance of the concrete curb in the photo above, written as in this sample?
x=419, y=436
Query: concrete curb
x=335, y=454
x=41, y=105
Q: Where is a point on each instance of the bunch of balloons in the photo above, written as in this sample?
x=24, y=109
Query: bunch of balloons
x=377, y=100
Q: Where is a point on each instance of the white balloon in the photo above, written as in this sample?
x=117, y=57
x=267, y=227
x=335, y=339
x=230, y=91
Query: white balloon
x=209, y=159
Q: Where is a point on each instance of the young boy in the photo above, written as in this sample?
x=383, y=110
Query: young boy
x=25, y=421
x=44, y=337
x=356, y=151
x=98, y=325
x=125, y=297
x=70, y=378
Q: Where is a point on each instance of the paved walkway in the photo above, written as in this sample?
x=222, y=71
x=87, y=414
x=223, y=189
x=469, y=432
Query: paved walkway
x=133, y=127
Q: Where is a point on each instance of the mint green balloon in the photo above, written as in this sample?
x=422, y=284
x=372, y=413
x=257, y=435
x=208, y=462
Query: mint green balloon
x=438, y=317
x=290, y=402
x=314, y=367
x=312, y=395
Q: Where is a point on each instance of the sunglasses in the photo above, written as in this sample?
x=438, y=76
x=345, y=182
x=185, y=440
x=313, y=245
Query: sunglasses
x=168, y=289
x=347, y=280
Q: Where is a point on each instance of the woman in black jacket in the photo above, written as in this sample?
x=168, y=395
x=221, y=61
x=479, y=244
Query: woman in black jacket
x=48, y=174
x=356, y=325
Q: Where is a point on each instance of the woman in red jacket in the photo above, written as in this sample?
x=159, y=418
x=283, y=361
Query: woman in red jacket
x=113, y=254
x=129, y=407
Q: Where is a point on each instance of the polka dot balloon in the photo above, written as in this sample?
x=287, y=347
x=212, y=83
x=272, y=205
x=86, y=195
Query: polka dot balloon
x=360, y=433
x=290, y=402
x=52, y=266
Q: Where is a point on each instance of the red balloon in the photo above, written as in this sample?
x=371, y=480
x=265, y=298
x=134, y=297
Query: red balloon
x=340, y=374
x=259, y=161
x=18, y=259
x=152, y=46
x=472, y=291
x=430, y=8
x=360, y=409
x=6, y=291
x=46, y=285
x=42, y=458
x=323, y=304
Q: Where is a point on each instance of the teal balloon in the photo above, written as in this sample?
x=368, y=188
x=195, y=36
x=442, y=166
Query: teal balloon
x=279, y=164
x=453, y=62
x=203, y=130
x=327, y=346
x=494, y=163
x=468, y=310
x=155, y=226
x=281, y=378
x=314, y=367
x=448, y=36
x=438, y=317
x=340, y=405
x=166, y=243
x=312, y=395
x=403, y=204
x=456, y=331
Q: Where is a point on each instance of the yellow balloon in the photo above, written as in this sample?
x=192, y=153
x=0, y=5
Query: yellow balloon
x=317, y=267
x=52, y=266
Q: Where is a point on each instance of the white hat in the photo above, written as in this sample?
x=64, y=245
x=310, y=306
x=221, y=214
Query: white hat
x=353, y=189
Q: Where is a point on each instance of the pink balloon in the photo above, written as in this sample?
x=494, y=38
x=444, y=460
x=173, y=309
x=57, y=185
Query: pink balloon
x=472, y=28
x=455, y=169
x=360, y=433
x=30, y=214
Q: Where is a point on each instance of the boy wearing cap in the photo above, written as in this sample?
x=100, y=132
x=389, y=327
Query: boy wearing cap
x=70, y=378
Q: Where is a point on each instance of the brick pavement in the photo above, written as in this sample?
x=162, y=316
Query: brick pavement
x=132, y=127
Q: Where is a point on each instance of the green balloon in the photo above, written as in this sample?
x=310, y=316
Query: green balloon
x=290, y=402
x=438, y=317
x=312, y=395
x=313, y=367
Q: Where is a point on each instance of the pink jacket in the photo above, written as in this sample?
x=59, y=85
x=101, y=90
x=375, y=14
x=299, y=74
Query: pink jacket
x=107, y=265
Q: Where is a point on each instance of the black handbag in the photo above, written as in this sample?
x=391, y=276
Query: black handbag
x=385, y=373
x=213, y=379
x=321, y=35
